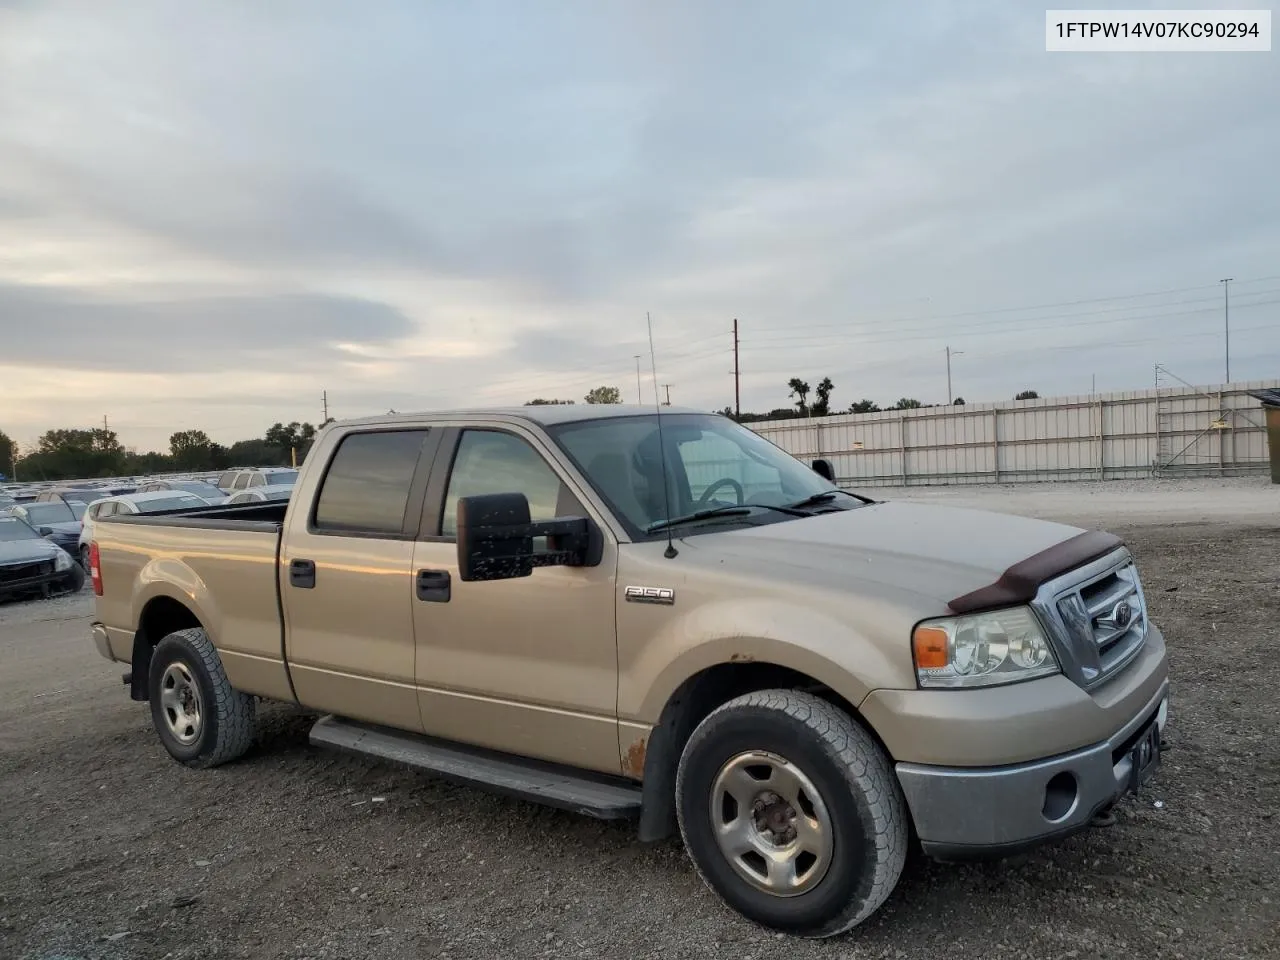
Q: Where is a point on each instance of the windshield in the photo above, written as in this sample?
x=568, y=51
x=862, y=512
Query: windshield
x=711, y=462
x=38, y=513
x=178, y=502
x=198, y=487
x=11, y=528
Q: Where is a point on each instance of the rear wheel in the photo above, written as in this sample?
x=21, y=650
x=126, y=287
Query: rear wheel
x=201, y=719
x=84, y=556
x=791, y=813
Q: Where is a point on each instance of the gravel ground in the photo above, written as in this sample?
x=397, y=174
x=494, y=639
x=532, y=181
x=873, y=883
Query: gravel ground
x=110, y=850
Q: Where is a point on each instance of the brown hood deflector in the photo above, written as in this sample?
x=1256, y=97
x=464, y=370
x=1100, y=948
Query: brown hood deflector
x=1020, y=582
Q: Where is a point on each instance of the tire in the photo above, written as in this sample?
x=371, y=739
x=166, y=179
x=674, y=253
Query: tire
x=201, y=719
x=84, y=557
x=74, y=580
x=849, y=862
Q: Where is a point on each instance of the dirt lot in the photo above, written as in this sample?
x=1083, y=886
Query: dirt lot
x=111, y=850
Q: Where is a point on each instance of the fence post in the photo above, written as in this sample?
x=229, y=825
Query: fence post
x=1102, y=439
x=995, y=442
x=902, y=443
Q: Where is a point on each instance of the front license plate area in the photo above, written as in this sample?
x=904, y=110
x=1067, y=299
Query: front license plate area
x=1144, y=757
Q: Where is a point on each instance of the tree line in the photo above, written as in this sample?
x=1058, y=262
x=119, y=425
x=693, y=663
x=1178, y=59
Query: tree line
x=799, y=391
x=73, y=454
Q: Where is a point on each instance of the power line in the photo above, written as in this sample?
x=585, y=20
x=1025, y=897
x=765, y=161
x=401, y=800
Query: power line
x=1020, y=322
x=815, y=342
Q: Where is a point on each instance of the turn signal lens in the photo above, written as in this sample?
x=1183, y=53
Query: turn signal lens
x=930, y=645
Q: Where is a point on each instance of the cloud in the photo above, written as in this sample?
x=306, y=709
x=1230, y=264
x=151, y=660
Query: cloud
x=74, y=328
x=479, y=203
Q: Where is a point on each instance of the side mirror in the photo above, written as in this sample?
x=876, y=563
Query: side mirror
x=45, y=532
x=823, y=469
x=495, y=539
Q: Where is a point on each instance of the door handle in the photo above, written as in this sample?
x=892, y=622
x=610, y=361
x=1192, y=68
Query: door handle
x=433, y=586
x=302, y=573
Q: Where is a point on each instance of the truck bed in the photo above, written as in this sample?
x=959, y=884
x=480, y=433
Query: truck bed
x=260, y=517
x=218, y=563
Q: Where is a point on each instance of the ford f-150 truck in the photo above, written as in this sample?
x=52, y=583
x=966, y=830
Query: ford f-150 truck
x=658, y=615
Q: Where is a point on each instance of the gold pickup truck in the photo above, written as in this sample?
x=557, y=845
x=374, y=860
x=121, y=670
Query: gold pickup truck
x=664, y=618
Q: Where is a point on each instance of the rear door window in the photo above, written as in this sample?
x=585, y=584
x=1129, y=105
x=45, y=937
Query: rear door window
x=366, y=487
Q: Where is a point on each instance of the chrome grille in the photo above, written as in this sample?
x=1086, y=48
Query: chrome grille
x=25, y=571
x=1098, y=616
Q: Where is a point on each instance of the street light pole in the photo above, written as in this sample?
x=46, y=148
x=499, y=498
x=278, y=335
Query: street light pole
x=950, y=354
x=1226, y=324
x=639, y=395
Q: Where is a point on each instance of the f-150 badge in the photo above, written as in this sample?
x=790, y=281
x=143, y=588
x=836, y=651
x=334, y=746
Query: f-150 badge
x=650, y=595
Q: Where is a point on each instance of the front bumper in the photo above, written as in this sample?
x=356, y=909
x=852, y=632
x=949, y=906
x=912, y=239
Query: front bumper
x=984, y=811
x=40, y=583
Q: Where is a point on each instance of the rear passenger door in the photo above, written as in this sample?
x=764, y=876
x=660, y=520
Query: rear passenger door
x=526, y=666
x=346, y=579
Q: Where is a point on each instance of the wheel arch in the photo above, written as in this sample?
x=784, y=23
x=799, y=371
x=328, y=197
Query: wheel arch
x=695, y=699
x=160, y=616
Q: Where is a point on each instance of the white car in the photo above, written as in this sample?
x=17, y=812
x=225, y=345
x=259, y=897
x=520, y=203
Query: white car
x=251, y=478
x=266, y=494
x=205, y=491
x=130, y=504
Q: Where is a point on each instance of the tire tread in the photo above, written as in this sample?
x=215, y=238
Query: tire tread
x=234, y=712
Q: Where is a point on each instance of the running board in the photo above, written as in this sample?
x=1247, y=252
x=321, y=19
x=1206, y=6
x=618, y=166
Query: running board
x=573, y=790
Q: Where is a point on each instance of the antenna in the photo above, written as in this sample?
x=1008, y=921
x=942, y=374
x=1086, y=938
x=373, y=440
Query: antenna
x=671, y=551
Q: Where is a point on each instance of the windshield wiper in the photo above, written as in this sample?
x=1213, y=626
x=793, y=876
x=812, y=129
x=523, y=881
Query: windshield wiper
x=825, y=497
x=734, y=510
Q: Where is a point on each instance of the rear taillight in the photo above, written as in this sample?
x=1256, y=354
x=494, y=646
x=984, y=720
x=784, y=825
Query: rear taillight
x=95, y=571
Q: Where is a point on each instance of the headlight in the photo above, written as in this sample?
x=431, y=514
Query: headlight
x=982, y=650
x=62, y=561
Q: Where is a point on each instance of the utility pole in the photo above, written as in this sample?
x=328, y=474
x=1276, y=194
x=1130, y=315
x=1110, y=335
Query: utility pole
x=104, y=422
x=324, y=401
x=950, y=354
x=667, y=387
x=1226, y=324
x=737, y=392
x=639, y=395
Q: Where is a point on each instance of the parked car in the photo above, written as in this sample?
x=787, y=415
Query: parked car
x=200, y=488
x=672, y=620
x=29, y=563
x=271, y=492
x=58, y=520
x=6, y=502
x=233, y=481
x=85, y=495
x=131, y=504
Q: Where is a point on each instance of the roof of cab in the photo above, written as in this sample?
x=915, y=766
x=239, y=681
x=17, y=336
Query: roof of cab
x=546, y=414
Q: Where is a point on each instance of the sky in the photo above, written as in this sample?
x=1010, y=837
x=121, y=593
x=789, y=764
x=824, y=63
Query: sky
x=213, y=212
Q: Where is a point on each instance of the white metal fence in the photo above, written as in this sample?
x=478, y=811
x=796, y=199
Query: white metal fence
x=1170, y=431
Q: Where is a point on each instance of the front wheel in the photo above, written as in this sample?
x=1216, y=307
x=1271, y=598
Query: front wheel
x=202, y=720
x=792, y=813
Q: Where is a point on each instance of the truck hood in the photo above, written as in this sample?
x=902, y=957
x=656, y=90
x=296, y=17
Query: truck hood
x=26, y=551
x=935, y=553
